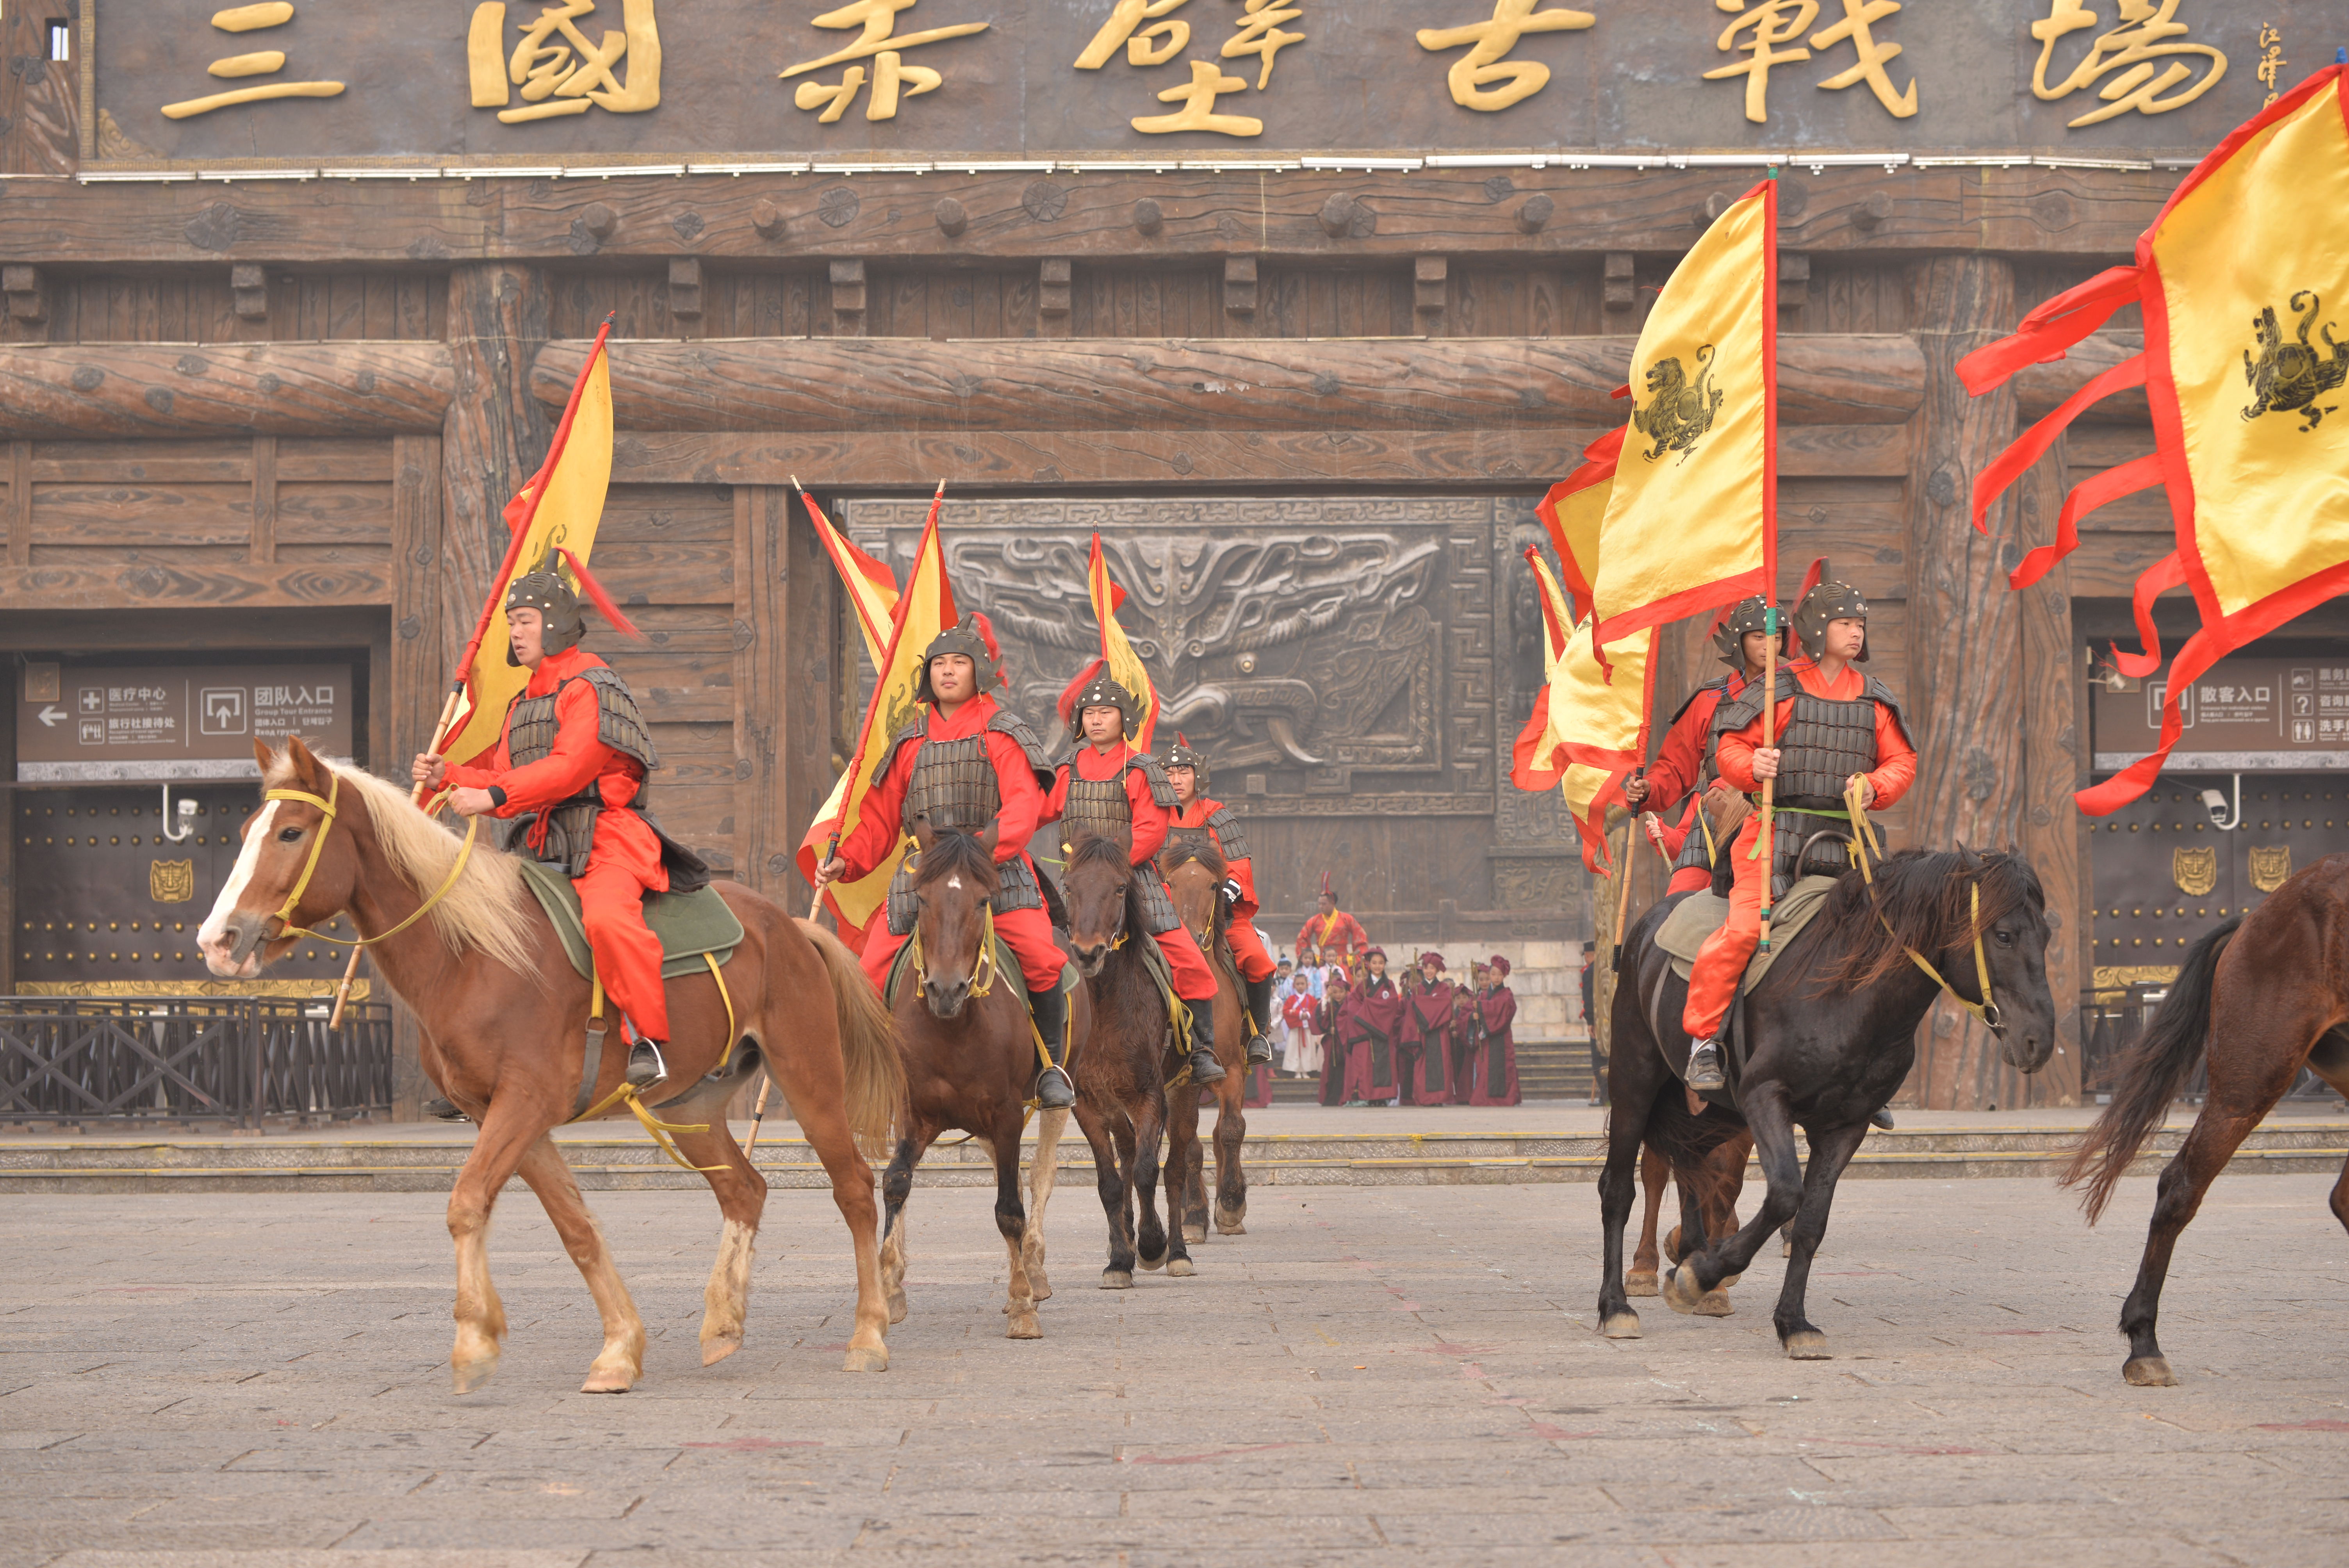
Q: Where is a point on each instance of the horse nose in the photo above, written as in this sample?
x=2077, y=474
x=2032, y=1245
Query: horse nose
x=947, y=1000
x=1089, y=957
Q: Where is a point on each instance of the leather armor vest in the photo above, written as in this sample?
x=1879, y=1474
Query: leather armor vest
x=1096, y=806
x=955, y=785
x=531, y=724
x=1826, y=743
x=1100, y=805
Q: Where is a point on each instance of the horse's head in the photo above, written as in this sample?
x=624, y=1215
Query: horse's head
x=290, y=873
x=2009, y=922
x=953, y=884
x=1193, y=871
x=1100, y=877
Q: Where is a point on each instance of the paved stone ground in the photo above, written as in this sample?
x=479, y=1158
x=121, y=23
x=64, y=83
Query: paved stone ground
x=1371, y=1376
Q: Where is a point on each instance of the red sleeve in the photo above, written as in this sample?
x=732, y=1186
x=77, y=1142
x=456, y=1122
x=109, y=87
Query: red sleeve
x=1056, y=804
x=1023, y=799
x=1735, y=755
x=578, y=755
x=1149, y=816
x=1244, y=873
x=1675, y=834
x=1895, y=767
x=879, y=824
x=1679, y=763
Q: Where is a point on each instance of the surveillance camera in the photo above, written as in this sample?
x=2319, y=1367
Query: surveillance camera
x=187, y=808
x=2215, y=803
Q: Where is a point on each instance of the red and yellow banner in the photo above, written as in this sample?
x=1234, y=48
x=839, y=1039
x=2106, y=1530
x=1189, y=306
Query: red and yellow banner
x=1573, y=512
x=2244, y=283
x=1117, y=655
x=1590, y=725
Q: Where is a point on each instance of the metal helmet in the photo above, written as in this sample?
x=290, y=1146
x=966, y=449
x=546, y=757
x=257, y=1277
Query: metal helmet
x=1828, y=601
x=973, y=638
x=1183, y=753
x=547, y=588
x=1104, y=691
x=1729, y=638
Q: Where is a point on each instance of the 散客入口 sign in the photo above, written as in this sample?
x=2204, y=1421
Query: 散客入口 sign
x=183, y=721
x=2242, y=715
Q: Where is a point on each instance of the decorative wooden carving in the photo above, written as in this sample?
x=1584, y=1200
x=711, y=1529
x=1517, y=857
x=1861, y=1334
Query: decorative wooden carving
x=1793, y=280
x=1240, y=286
x=1429, y=290
x=1620, y=293
x=848, y=298
x=685, y=286
x=1052, y=275
x=27, y=299
x=248, y=284
x=770, y=219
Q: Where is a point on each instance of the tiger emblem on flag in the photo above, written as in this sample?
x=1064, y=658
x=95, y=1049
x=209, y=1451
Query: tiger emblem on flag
x=1678, y=411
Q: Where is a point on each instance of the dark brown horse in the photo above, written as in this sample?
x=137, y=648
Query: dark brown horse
x=1193, y=874
x=504, y=1021
x=1122, y=1080
x=970, y=1055
x=2258, y=998
x=1708, y=1212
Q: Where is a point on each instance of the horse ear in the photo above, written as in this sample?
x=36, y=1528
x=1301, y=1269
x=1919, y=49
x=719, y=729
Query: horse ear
x=987, y=840
x=306, y=766
x=923, y=832
x=261, y=755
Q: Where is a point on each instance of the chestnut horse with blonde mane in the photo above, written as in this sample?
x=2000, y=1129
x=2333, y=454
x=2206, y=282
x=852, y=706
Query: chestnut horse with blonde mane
x=504, y=1017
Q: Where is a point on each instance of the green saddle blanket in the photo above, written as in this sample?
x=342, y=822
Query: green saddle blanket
x=1699, y=915
x=688, y=923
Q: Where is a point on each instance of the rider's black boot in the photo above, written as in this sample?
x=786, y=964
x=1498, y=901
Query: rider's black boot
x=1259, y=1009
x=1704, y=1066
x=1204, y=1068
x=1051, y=1009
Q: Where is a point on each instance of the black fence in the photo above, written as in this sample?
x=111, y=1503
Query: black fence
x=2111, y=1021
x=228, y=1059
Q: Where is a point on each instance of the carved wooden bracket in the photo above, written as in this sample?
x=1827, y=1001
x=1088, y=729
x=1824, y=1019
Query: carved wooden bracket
x=769, y=219
x=951, y=216
x=248, y=285
x=1053, y=296
x=27, y=299
x=848, y=298
x=1793, y=280
x=684, y=286
x=1240, y=286
x=1621, y=293
x=1429, y=279
x=1535, y=212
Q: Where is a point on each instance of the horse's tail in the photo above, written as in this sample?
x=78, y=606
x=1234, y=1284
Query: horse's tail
x=868, y=1043
x=2146, y=1079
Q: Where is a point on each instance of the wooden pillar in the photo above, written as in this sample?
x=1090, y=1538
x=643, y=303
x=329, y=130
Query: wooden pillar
x=762, y=631
x=415, y=680
x=495, y=433
x=813, y=641
x=1965, y=694
x=2051, y=693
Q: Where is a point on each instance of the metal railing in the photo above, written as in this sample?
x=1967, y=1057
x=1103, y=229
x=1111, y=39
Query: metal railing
x=229, y=1060
x=2111, y=1021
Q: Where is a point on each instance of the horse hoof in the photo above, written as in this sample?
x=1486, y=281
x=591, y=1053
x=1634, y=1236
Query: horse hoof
x=1023, y=1326
x=1680, y=1291
x=1715, y=1303
x=466, y=1377
x=1808, y=1345
x=1181, y=1268
x=1624, y=1324
x=896, y=1306
x=875, y=1359
x=2149, y=1372
x=1729, y=1281
x=1151, y=1265
x=1117, y=1279
x=617, y=1381
x=718, y=1346
x=1233, y=1229
x=1639, y=1282
x=1192, y=1233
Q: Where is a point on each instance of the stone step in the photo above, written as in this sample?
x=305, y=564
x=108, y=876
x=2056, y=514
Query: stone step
x=1400, y=1159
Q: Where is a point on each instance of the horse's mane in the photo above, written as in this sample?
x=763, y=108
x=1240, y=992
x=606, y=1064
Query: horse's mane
x=952, y=854
x=489, y=910
x=1197, y=850
x=1926, y=897
x=1101, y=848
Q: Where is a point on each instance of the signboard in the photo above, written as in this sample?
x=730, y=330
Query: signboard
x=180, y=721
x=533, y=83
x=2246, y=715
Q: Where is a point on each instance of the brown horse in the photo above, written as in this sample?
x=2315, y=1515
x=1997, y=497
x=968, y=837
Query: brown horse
x=1121, y=1089
x=1708, y=1211
x=970, y=1060
x=505, y=1022
x=1194, y=872
x=2258, y=998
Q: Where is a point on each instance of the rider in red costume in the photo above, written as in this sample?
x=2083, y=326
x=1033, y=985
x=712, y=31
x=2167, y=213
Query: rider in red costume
x=1195, y=814
x=1684, y=764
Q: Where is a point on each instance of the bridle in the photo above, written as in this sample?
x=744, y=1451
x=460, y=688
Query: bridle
x=1117, y=937
x=983, y=969
x=284, y=915
x=1862, y=841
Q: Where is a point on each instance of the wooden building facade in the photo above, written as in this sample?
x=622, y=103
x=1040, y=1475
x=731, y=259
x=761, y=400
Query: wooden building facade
x=267, y=376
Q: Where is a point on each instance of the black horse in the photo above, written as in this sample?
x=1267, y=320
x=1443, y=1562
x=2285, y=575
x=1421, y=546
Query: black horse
x=1831, y=1031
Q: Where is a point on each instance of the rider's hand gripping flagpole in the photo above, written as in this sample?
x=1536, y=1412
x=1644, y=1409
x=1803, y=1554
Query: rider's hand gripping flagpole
x=1769, y=785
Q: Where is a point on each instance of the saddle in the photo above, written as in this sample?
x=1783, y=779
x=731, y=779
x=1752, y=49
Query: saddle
x=1701, y=914
x=689, y=924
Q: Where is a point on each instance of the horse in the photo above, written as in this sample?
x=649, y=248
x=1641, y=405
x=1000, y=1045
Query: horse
x=1708, y=1210
x=1832, y=1025
x=2262, y=995
x=970, y=1060
x=504, y=1020
x=1121, y=1089
x=1195, y=873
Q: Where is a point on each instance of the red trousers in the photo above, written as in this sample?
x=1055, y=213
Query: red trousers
x=624, y=866
x=1029, y=932
x=1690, y=879
x=1193, y=980
x=1248, y=950
x=1720, y=962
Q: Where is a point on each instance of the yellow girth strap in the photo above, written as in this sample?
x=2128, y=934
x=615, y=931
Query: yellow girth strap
x=658, y=1130
x=1863, y=840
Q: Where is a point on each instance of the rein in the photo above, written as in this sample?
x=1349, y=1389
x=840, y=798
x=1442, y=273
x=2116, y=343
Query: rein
x=983, y=972
x=1861, y=842
x=284, y=915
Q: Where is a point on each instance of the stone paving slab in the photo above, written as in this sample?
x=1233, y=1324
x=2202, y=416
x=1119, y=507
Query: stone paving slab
x=1371, y=1376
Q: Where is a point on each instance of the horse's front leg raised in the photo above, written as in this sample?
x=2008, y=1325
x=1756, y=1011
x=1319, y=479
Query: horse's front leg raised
x=1764, y=1104
x=506, y=1136
x=1011, y=1223
x=622, y=1360
x=1831, y=1150
x=1231, y=1132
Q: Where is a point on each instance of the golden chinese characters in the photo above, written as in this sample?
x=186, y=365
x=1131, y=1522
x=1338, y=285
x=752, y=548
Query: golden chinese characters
x=259, y=63
x=557, y=69
x=1481, y=79
x=2147, y=34
x=1775, y=24
x=879, y=42
x=1199, y=100
x=1152, y=36
x=2272, y=61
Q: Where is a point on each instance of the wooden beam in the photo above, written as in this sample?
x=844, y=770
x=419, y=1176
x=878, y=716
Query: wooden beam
x=763, y=695
x=2040, y=389
x=421, y=653
x=50, y=392
x=150, y=584
x=20, y=504
x=1158, y=385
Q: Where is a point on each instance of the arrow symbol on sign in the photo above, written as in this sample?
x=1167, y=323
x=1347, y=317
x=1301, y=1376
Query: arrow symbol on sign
x=50, y=715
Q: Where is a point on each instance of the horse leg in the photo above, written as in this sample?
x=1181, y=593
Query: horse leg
x=896, y=1186
x=1231, y=1132
x=1011, y=1221
x=1148, y=1116
x=498, y=1151
x=1831, y=1150
x=622, y=1360
x=818, y=1098
x=1696, y=1232
x=1655, y=1170
x=1766, y=1113
x=1109, y=1180
x=741, y=1194
x=1627, y=1125
x=1182, y=1158
x=1043, y=1174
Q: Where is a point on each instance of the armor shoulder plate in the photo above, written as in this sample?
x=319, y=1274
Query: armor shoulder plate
x=1006, y=722
x=916, y=731
x=1162, y=789
x=1879, y=693
x=619, y=724
x=1718, y=683
x=1738, y=712
x=1228, y=833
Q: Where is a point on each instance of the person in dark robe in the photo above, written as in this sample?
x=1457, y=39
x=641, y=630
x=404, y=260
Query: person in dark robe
x=1407, y=1041
x=1431, y=1022
x=1465, y=1032
x=1496, y=1060
x=1336, y=1015
x=1370, y=1060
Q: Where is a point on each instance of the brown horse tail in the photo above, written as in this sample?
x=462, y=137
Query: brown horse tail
x=868, y=1045
x=2148, y=1077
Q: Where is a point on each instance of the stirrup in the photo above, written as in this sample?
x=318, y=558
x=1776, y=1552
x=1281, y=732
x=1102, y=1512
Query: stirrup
x=646, y=1066
x=1053, y=1090
x=1705, y=1067
x=1259, y=1048
x=1204, y=1068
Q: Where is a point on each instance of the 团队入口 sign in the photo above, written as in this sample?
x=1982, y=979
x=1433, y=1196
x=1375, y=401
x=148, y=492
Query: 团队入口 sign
x=185, y=721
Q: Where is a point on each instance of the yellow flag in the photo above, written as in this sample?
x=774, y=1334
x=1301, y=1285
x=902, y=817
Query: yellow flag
x=1588, y=731
x=1691, y=520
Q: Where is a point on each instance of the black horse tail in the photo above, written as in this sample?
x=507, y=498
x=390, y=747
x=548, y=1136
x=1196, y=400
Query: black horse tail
x=2148, y=1076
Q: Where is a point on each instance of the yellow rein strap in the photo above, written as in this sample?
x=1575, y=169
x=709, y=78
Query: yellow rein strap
x=285, y=926
x=1985, y=1009
x=658, y=1130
